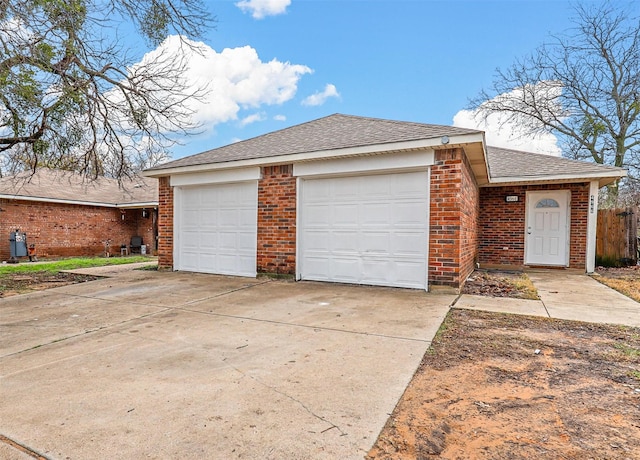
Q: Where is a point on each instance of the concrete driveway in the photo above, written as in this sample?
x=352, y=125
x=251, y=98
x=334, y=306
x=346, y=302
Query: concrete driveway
x=176, y=365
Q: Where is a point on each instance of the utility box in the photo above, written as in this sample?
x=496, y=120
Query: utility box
x=17, y=245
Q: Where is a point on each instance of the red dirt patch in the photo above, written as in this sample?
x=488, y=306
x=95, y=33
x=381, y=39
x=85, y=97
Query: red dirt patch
x=502, y=387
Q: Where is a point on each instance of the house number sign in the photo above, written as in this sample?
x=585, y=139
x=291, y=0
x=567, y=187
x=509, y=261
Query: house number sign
x=511, y=198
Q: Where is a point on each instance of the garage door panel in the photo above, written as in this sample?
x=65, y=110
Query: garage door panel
x=344, y=268
x=343, y=189
x=318, y=241
x=371, y=230
x=317, y=267
x=372, y=189
x=406, y=274
x=375, y=271
x=216, y=228
x=375, y=214
x=206, y=240
x=375, y=242
x=345, y=215
x=345, y=241
x=317, y=216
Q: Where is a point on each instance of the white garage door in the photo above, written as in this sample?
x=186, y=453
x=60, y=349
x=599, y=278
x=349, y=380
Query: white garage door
x=365, y=229
x=216, y=228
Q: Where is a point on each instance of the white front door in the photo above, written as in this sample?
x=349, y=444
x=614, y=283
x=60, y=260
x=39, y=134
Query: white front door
x=369, y=229
x=547, y=230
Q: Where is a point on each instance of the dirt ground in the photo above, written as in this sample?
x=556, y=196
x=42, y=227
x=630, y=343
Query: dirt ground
x=21, y=283
x=496, y=386
x=496, y=283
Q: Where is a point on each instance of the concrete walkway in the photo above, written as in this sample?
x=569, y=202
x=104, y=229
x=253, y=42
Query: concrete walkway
x=564, y=295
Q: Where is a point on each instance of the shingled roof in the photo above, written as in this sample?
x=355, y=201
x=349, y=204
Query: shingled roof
x=333, y=132
x=68, y=187
x=507, y=165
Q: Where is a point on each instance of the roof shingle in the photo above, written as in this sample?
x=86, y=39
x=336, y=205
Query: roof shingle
x=506, y=163
x=332, y=132
x=67, y=186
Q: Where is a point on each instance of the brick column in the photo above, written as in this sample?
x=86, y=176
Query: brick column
x=453, y=226
x=165, y=224
x=277, y=220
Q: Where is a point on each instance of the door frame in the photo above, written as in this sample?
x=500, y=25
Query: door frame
x=532, y=196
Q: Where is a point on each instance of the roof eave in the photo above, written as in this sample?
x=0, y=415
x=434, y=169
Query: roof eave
x=603, y=178
x=321, y=154
x=57, y=200
x=138, y=205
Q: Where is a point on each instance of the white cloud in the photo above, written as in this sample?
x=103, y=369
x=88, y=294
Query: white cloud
x=320, y=98
x=501, y=132
x=236, y=79
x=253, y=118
x=280, y=118
x=261, y=8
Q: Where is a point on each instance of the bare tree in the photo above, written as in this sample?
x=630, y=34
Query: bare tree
x=583, y=86
x=71, y=96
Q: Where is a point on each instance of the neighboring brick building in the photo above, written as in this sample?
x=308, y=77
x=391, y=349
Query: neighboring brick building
x=370, y=201
x=64, y=214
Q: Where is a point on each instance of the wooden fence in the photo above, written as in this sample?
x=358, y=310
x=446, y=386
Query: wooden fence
x=617, y=237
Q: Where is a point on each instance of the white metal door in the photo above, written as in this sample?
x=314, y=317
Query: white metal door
x=216, y=228
x=369, y=229
x=547, y=228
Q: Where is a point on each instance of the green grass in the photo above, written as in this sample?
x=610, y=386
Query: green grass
x=627, y=350
x=69, y=264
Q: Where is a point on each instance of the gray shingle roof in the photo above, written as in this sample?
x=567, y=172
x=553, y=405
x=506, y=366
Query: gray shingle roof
x=506, y=163
x=332, y=132
x=67, y=186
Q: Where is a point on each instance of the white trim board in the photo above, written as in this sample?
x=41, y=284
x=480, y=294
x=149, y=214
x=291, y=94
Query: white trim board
x=399, y=162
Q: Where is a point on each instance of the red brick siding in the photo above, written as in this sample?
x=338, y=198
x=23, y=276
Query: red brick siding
x=469, y=214
x=63, y=230
x=502, y=224
x=165, y=224
x=453, y=219
x=277, y=220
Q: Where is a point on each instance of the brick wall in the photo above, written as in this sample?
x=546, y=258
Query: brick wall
x=469, y=215
x=502, y=225
x=277, y=220
x=453, y=219
x=64, y=230
x=165, y=224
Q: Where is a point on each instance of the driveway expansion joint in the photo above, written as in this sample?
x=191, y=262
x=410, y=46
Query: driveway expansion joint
x=222, y=294
x=22, y=448
x=318, y=328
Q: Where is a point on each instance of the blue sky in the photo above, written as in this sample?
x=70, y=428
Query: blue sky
x=404, y=60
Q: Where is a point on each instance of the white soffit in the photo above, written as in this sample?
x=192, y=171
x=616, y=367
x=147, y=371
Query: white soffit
x=603, y=178
x=215, y=177
x=385, y=162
